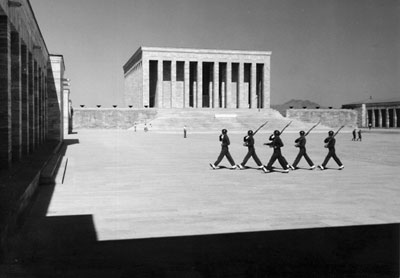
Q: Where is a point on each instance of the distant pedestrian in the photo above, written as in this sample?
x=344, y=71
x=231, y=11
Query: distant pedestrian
x=330, y=142
x=224, y=139
x=184, y=131
x=146, y=128
x=354, y=135
x=359, y=135
x=134, y=126
x=369, y=125
x=276, y=143
x=249, y=143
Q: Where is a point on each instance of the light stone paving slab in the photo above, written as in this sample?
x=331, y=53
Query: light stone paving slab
x=142, y=185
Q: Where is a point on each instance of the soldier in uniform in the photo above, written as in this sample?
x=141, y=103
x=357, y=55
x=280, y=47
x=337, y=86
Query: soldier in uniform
x=301, y=144
x=224, y=139
x=276, y=143
x=249, y=142
x=330, y=142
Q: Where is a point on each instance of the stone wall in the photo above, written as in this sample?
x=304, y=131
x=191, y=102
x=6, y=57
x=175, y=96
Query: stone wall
x=328, y=117
x=110, y=118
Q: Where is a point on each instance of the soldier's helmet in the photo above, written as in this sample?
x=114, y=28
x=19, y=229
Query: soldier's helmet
x=330, y=133
x=224, y=131
x=250, y=132
x=302, y=132
x=277, y=132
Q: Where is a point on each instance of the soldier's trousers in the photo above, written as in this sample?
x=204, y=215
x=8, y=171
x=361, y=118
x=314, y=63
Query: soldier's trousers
x=277, y=155
x=224, y=152
x=331, y=154
x=251, y=153
x=302, y=152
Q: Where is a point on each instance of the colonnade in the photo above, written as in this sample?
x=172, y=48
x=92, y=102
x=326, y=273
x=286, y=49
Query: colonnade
x=28, y=100
x=201, y=84
x=383, y=116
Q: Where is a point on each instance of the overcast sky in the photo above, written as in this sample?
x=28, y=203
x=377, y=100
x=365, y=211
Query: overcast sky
x=328, y=51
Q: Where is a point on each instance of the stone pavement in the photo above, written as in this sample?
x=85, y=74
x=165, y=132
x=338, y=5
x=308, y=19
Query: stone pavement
x=121, y=185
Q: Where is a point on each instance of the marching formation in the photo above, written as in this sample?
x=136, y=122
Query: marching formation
x=276, y=144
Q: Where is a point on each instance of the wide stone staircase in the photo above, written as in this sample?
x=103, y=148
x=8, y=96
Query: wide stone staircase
x=213, y=120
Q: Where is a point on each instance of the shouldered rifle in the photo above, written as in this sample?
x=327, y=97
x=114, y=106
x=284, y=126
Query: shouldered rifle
x=314, y=126
x=340, y=128
x=283, y=129
x=261, y=126
x=254, y=133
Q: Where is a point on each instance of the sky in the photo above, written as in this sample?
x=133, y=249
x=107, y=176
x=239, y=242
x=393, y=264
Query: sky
x=331, y=52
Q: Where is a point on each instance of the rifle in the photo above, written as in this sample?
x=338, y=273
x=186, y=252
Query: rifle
x=286, y=127
x=254, y=133
x=261, y=126
x=314, y=126
x=326, y=145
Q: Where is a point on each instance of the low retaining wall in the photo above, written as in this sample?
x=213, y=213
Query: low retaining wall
x=110, y=118
x=328, y=117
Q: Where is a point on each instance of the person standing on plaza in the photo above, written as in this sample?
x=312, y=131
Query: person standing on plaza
x=330, y=142
x=184, y=131
x=276, y=143
x=359, y=135
x=249, y=143
x=224, y=139
x=354, y=135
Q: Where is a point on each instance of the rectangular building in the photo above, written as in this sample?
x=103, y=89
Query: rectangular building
x=197, y=78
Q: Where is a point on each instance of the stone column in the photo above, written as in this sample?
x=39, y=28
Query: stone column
x=25, y=100
x=186, y=84
x=266, y=84
x=5, y=94
x=229, y=103
x=380, y=117
x=16, y=96
x=216, y=85
x=36, y=92
x=253, y=90
x=31, y=109
x=145, y=86
x=173, y=98
x=241, y=99
x=373, y=117
x=364, y=115
x=387, y=118
x=394, y=117
x=160, y=78
x=199, y=84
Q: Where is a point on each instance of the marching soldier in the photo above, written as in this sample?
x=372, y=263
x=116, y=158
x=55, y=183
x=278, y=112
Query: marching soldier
x=249, y=142
x=330, y=142
x=301, y=144
x=276, y=143
x=224, y=139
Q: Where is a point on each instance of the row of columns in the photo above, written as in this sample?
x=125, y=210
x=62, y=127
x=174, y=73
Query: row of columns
x=383, y=117
x=23, y=97
x=220, y=92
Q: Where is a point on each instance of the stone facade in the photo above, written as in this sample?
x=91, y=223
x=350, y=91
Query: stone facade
x=328, y=117
x=197, y=78
x=27, y=85
x=378, y=113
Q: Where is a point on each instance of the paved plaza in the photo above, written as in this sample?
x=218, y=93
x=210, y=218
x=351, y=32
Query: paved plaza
x=130, y=202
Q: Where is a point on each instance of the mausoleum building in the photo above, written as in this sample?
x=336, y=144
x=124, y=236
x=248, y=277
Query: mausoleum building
x=197, y=78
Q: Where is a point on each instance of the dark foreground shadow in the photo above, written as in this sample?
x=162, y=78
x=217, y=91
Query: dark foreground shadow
x=69, y=246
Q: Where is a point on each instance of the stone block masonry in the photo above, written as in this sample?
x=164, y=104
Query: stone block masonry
x=328, y=117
